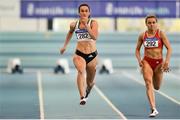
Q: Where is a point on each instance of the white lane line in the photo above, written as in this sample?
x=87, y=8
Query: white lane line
x=40, y=93
x=110, y=103
x=160, y=92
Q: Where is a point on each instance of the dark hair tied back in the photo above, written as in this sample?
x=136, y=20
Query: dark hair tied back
x=83, y=5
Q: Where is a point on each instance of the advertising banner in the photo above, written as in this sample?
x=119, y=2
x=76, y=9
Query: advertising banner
x=101, y=8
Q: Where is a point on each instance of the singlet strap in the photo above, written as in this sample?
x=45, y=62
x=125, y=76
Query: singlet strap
x=157, y=33
x=144, y=35
x=89, y=22
x=77, y=24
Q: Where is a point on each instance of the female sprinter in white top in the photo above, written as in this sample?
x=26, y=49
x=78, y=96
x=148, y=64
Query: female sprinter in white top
x=85, y=57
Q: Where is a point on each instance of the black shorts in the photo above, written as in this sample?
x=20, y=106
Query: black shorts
x=87, y=57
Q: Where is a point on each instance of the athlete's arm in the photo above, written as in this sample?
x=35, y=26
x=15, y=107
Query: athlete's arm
x=68, y=36
x=138, y=47
x=92, y=29
x=166, y=42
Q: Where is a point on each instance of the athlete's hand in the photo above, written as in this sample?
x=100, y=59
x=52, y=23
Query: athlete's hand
x=62, y=50
x=165, y=66
x=140, y=63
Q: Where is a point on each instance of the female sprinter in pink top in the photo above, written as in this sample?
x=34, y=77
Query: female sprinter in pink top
x=85, y=57
x=152, y=63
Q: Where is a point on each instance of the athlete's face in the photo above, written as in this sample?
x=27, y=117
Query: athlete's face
x=84, y=12
x=151, y=24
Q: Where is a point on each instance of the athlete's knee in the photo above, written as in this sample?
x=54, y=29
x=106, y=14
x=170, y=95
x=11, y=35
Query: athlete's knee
x=157, y=83
x=90, y=83
x=90, y=80
x=81, y=72
x=148, y=83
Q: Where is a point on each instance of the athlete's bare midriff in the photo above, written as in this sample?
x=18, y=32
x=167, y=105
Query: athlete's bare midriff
x=155, y=53
x=86, y=47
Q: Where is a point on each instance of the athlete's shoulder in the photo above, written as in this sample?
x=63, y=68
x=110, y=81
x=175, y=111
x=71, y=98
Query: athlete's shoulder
x=73, y=24
x=94, y=21
x=142, y=34
x=160, y=33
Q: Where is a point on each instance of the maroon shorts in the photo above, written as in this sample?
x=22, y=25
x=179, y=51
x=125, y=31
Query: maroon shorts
x=153, y=62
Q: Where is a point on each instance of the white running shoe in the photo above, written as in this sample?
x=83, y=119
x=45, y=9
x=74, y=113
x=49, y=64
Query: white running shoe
x=154, y=112
x=82, y=101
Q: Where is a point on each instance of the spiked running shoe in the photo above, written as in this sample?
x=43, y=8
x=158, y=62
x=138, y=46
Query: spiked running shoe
x=153, y=113
x=82, y=101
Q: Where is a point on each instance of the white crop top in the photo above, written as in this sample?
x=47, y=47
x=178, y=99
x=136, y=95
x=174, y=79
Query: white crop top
x=82, y=34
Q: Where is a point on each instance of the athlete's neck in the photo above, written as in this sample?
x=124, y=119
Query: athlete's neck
x=151, y=32
x=83, y=20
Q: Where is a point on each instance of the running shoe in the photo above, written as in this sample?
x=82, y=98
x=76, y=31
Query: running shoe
x=153, y=113
x=82, y=101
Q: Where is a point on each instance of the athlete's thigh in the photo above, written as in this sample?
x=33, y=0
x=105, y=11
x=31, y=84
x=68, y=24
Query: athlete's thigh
x=147, y=71
x=158, y=75
x=93, y=63
x=79, y=62
x=91, y=67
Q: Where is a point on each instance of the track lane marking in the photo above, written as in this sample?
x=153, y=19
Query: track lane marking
x=160, y=92
x=40, y=93
x=110, y=103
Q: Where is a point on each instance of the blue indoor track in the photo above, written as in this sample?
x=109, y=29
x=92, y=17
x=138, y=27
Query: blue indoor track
x=121, y=95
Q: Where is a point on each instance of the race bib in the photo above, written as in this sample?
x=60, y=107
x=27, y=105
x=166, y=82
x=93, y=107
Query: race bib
x=82, y=34
x=150, y=43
